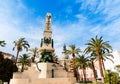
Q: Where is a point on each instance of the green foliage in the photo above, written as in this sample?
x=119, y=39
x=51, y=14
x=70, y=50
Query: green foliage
x=117, y=68
x=73, y=50
x=1, y=57
x=111, y=77
x=100, y=49
x=20, y=44
x=82, y=62
x=2, y=43
x=34, y=53
x=46, y=56
x=7, y=67
x=97, y=46
x=65, y=52
x=25, y=61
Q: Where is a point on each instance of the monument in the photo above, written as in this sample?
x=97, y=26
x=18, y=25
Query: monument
x=46, y=50
x=45, y=71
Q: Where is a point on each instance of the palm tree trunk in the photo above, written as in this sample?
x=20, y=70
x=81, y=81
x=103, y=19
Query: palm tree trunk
x=101, y=69
x=77, y=74
x=84, y=73
x=73, y=55
x=103, y=65
x=22, y=67
x=100, y=66
x=94, y=71
x=34, y=59
x=17, y=56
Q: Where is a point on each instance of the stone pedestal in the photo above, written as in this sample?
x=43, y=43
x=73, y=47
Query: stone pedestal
x=50, y=74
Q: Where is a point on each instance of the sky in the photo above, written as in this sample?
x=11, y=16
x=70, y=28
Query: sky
x=73, y=22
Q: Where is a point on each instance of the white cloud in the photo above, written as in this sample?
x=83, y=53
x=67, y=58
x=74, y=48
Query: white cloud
x=110, y=13
x=112, y=9
x=81, y=17
x=109, y=64
x=13, y=25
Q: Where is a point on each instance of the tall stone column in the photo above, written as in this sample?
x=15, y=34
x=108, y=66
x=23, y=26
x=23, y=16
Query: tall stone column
x=47, y=45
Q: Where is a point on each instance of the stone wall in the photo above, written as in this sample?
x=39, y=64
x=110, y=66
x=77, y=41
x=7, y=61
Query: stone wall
x=44, y=81
x=33, y=76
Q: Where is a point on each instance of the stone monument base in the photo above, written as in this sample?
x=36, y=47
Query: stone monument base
x=43, y=81
x=50, y=74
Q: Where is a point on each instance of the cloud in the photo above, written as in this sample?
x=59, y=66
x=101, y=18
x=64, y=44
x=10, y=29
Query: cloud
x=19, y=21
x=14, y=24
x=102, y=18
x=81, y=17
x=112, y=10
x=99, y=11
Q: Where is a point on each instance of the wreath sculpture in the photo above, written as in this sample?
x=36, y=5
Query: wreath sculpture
x=47, y=41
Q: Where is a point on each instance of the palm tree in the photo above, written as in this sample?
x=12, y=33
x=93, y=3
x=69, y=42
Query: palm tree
x=65, y=54
x=111, y=77
x=106, y=56
x=34, y=53
x=25, y=61
x=92, y=60
x=73, y=50
x=2, y=43
x=117, y=68
x=98, y=46
x=82, y=62
x=20, y=44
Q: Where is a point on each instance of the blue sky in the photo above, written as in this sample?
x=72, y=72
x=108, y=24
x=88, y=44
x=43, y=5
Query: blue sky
x=73, y=21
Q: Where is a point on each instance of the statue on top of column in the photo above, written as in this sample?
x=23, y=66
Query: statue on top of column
x=48, y=18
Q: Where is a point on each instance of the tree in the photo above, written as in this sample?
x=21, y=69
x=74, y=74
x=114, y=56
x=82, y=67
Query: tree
x=25, y=61
x=82, y=62
x=117, y=68
x=34, y=53
x=19, y=45
x=2, y=43
x=73, y=50
x=106, y=56
x=65, y=54
x=111, y=77
x=98, y=46
x=7, y=67
x=92, y=59
x=1, y=57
